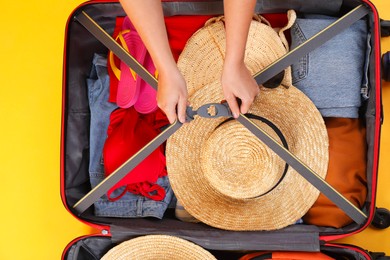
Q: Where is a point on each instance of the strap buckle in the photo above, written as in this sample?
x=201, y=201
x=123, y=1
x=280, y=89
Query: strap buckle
x=210, y=110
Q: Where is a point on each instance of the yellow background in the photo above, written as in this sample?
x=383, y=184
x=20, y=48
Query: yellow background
x=34, y=224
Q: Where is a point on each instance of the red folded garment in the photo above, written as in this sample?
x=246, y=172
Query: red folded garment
x=127, y=133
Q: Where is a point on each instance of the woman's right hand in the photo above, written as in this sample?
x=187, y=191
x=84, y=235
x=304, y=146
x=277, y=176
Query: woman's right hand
x=172, y=94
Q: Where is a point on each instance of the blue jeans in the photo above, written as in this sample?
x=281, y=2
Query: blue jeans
x=332, y=75
x=98, y=91
x=130, y=205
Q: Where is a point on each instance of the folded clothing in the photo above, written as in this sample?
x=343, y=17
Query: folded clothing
x=100, y=109
x=128, y=133
x=132, y=205
x=331, y=75
x=346, y=172
x=129, y=204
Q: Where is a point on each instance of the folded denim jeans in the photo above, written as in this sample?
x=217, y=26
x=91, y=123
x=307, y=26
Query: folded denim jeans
x=331, y=75
x=130, y=205
x=100, y=111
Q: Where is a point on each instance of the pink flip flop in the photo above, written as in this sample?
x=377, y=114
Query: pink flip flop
x=146, y=102
x=129, y=85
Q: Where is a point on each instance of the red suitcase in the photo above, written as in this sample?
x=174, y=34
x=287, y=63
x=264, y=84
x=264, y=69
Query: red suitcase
x=81, y=42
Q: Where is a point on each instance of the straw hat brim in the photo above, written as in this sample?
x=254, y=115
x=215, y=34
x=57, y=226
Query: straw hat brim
x=153, y=247
x=304, y=130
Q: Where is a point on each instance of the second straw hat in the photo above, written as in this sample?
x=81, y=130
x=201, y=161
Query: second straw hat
x=153, y=247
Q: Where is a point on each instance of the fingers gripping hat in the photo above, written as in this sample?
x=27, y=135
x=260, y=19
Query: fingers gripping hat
x=153, y=247
x=225, y=176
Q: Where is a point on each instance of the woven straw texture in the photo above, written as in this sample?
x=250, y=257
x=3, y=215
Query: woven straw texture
x=155, y=247
x=219, y=171
x=202, y=59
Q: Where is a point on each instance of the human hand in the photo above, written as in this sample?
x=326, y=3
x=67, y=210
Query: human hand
x=172, y=94
x=238, y=82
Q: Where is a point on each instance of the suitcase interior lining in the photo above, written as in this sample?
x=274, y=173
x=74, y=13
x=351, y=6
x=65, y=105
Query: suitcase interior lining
x=80, y=47
x=93, y=248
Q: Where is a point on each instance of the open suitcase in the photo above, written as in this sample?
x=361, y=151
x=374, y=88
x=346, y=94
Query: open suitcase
x=82, y=41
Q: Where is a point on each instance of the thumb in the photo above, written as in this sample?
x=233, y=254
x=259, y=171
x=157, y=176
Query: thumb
x=233, y=105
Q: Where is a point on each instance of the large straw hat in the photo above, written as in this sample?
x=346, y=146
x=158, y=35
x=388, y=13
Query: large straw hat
x=153, y=247
x=225, y=176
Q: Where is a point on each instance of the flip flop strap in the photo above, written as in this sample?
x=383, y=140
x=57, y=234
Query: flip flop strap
x=115, y=69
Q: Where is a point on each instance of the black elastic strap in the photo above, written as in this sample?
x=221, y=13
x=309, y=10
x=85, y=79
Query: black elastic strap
x=282, y=139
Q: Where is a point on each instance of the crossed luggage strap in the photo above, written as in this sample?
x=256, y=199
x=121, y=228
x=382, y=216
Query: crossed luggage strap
x=271, y=76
